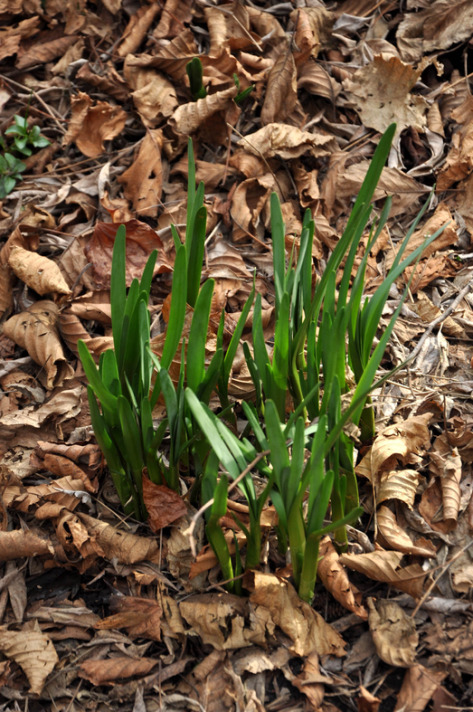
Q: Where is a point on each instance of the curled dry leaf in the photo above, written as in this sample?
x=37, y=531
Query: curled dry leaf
x=446, y=463
x=419, y=687
x=286, y=142
x=397, y=484
x=35, y=330
x=136, y=30
x=21, y=543
x=394, y=633
x=32, y=650
x=386, y=566
x=188, y=117
x=396, y=537
x=38, y=272
x=336, y=581
x=397, y=442
x=126, y=548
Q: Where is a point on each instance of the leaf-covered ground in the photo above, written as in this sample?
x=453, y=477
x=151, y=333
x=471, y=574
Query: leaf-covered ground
x=100, y=613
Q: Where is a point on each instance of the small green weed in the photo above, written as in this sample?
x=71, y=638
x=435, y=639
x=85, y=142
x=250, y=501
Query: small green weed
x=11, y=165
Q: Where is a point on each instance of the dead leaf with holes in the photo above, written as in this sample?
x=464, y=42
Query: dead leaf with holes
x=32, y=650
x=90, y=125
x=38, y=272
x=35, y=330
x=394, y=632
x=381, y=94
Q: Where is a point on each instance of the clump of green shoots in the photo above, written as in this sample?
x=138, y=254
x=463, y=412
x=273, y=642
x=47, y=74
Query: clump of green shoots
x=25, y=139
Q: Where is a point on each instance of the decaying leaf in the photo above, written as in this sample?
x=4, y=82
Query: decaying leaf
x=335, y=579
x=396, y=537
x=163, y=505
x=105, y=672
x=281, y=89
x=394, y=632
x=143, y=180
x=285, y=141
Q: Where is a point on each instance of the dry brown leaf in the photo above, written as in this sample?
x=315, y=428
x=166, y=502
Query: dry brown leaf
x=143, y=180
x=316, y=80
x=286, y=142
x=45, y=51
x=174, y=16
x=336, y=581
x=105, y=672
x=397, y=484
x=418, y=688
x=38, y=272
x=19, y=543
x=281, y=89
x=35, y=330
x=394, y=633
x=276, y=600
x=90, y=126
x=385, y=566
x=141, y=240
x=154, y=96
x=125, y=547
x=163, y=505
x=381, y=94
x=189, y=117
x=396, y=537
x=110, y=82
x=32, y=650
x=229, y=25
x=459, y=162
x=439, y=26
x=446, y=463
x=136, y=30
x=397, y=442
x=140, y=616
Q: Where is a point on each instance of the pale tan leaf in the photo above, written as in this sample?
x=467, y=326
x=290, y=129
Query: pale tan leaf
x=397, y=442
x=38, y=272
x=397, y=484
x=316, y=80
x=19, y=543
x=336, y=581
x=127, y=548
x=281, y=89
x=42, y=52
x=418, y=688
x=35, y=330
x=32, y=650
x=396, y=537
x=154, y=96
x=386, y=566
x=381, y=94
x=394, y=633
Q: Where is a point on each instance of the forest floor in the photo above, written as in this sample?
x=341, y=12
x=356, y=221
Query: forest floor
x=97, y=610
